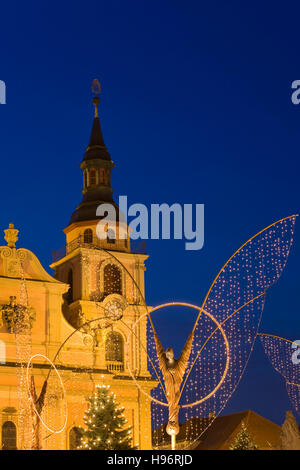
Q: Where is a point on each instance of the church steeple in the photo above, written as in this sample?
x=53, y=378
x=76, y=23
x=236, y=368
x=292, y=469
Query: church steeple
x=96, y=167
x=96, y=148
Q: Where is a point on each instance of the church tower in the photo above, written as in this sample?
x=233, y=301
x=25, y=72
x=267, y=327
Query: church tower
x=96, y=167
x=106, y=277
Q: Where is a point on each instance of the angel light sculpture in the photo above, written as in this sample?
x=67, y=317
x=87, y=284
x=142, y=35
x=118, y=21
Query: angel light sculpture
x=195, y=388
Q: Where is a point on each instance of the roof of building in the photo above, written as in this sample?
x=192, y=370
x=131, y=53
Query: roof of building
x=223, y=430
x=221, y=434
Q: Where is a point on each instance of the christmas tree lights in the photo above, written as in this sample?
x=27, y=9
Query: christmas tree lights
x=105, y=423
x=243, y=440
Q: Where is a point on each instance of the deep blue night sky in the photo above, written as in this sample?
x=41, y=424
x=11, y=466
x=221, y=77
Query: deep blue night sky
x=196, y=108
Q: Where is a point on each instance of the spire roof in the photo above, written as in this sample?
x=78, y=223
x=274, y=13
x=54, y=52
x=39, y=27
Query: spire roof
x=96, y=148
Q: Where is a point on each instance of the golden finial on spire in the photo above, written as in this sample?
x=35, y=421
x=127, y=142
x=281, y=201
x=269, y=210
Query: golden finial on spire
x=11, y=235
x=96, y=89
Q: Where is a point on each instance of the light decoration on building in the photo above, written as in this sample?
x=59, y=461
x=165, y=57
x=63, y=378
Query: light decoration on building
x=23, y=354
x=281, y=352
x=51, y=396
x=235, y=300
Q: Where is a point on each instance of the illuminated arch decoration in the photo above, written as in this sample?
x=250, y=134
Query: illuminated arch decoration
x=282, y=353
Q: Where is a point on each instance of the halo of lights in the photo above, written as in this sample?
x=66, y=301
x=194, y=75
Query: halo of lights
x=54, y=431
x=184, y=304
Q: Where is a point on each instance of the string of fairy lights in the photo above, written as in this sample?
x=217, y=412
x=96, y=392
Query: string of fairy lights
x=110, y=433
x=23, y=354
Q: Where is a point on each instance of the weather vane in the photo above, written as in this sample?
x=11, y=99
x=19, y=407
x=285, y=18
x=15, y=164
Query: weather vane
x=96, y=89
x=96, y=86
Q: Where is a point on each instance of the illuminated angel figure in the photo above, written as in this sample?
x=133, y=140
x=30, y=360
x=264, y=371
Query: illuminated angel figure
x=173, y=371
x=198, y=385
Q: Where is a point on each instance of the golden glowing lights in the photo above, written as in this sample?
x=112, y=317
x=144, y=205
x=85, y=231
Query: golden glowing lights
x=54, y=431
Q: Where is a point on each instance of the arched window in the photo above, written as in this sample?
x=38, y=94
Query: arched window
x=88, y=235
x=74, y=438
x=93, y=177
x=9, y=436
x=69, y=294
x=85, y=179
x=112, y=279
x=111, y=236
x=114, y=347
x=101, y=176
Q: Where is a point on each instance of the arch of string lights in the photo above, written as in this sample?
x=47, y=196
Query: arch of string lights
x=279, y=352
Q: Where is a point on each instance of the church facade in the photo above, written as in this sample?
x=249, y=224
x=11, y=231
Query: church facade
x=88, y=320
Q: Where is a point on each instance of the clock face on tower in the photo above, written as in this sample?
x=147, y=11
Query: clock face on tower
x=114, y=310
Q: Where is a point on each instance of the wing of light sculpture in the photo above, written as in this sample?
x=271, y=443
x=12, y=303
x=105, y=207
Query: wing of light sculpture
x=284, y=357
x=251, y=270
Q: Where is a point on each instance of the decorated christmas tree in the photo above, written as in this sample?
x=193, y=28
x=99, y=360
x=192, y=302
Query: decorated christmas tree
x=243, y=440
x=105, y=423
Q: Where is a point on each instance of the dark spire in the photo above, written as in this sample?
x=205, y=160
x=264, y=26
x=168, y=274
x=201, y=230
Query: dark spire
x=96, y=148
